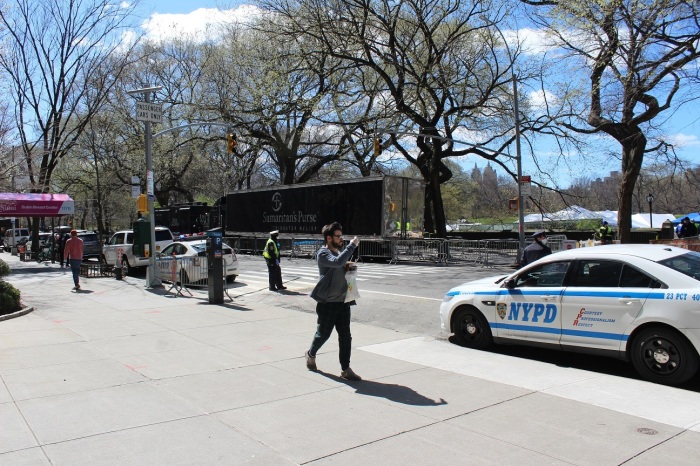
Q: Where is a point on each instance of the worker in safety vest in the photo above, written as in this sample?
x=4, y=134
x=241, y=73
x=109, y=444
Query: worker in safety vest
x=271, y=253
x=605, y=233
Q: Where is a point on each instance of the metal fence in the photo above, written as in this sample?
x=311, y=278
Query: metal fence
x=483, y=252
x=187, y=271
x=431, y=250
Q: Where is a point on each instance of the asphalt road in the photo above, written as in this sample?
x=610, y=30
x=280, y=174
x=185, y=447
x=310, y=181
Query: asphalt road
x=403, y=297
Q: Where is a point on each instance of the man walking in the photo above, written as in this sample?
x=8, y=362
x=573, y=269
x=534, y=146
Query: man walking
x=329, y=294
x=271, y=253
x=536, y=250
x=73, y=254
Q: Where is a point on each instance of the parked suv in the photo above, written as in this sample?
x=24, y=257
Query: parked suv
x=120, y=247
x=91, y=245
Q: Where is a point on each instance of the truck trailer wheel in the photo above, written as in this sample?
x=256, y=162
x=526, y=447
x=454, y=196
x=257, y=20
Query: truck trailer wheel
x=664, y=356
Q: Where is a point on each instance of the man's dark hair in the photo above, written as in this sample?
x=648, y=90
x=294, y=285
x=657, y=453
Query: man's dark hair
x=328, y=230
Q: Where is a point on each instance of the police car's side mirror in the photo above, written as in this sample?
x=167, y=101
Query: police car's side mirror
x=510, y=283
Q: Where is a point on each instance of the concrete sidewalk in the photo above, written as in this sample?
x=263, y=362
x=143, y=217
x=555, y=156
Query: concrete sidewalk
x=118, y=374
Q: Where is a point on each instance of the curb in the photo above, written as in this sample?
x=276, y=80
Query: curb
x=19, y=313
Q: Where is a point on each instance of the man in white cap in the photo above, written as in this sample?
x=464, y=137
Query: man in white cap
x=536, y=250
x=271, y=253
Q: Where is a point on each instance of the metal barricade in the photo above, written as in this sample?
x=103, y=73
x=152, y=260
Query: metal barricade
x=556, y=242
x=301, y=247
x=418, y=250
x=188, y=271
x=503, y=252
x=251, y=245
x=375, y=249
x=460, y=250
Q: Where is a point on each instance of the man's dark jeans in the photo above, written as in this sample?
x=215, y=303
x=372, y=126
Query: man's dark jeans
x=333, y=315
x=75, y=268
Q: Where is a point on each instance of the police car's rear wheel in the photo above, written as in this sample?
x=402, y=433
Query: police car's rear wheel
x=664, y=356
x=471, y=329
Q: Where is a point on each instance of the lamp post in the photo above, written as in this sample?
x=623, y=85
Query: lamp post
x=650, y=200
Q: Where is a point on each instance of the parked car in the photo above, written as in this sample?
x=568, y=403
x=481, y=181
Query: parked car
x=191, y=261
x=636, y=302
x=119, y=248
x=44, y=239
x=13, y=236
x=91, y=245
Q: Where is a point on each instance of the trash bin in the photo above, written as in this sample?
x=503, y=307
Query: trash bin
x=666, y=230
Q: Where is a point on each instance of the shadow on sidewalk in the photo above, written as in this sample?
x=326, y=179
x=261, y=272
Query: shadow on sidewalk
x=166, y=291
x=390, y=391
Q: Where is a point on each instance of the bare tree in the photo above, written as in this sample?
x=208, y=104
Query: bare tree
x=274, y=97
x=441, y=64
x=52, y=48
x=639, y=58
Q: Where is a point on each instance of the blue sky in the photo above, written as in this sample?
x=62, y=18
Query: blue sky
x=682, y=127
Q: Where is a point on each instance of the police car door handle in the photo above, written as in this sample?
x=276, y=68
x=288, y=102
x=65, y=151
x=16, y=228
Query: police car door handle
x=549, y=297
x=628, y=301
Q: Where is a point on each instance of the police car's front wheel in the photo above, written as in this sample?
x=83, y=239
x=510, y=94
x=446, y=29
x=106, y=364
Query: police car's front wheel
x=471, y=329
x=664, y=356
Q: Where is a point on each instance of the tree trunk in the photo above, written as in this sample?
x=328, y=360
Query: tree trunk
x=633, y=146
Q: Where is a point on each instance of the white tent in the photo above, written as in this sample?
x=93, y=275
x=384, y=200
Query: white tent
x=642, y=220
x=573, y=212
x=580, y=213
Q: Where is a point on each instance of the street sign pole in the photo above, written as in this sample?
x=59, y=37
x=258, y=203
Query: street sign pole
x=149, y=113
x=519, y=160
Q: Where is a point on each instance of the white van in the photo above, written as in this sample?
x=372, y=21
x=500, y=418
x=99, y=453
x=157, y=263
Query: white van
x=13, y=236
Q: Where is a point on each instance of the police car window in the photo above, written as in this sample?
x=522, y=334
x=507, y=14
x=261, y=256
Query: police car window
x=688, y=264
x=597, y=274
x=168, y=250
x=635, y=278
x=545, y=275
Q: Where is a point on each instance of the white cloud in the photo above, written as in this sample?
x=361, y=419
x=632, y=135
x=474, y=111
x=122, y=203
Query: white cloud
x=534, y=41
x=206, y=23
x=683, y=140
x=541, y=98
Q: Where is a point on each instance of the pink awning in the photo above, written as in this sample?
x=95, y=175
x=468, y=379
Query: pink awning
x=35, y=205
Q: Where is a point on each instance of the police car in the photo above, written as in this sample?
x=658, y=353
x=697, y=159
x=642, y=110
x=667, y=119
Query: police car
x=639, y=303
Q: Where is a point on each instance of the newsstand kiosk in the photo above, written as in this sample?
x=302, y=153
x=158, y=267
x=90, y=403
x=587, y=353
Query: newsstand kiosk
x=215, y=265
